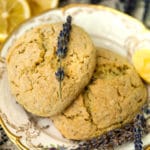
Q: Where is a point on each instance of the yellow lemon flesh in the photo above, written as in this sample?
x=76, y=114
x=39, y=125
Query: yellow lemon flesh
x=12, y=13
x=39, y=6
x=141, y=61
x=0, y=45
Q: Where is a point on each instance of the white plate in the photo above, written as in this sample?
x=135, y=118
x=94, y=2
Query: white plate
x=108, y=28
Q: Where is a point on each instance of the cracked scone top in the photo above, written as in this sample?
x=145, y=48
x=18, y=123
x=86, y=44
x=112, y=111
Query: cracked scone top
x=32, y=63
x=112, y=99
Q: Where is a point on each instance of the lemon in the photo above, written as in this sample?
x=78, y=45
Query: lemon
x=0, y=45
x=141, y=61
x=12, y=13
x=38, y=6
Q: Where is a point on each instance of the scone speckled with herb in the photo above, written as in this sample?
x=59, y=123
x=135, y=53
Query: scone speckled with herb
x=32, y=63
x=112, y=99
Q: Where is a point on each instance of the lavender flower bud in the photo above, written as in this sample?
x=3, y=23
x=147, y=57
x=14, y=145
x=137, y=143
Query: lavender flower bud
x=69, y=19
x=59, y=74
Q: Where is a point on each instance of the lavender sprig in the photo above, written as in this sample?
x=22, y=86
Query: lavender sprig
x=138, y=129
x=59, y=74
x=63, y=39
x=62, y=49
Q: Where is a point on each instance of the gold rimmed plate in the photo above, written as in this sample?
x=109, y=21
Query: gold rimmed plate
x=108, y=28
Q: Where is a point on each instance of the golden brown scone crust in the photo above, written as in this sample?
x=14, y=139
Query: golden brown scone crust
x=112, y=99
x=32, y=63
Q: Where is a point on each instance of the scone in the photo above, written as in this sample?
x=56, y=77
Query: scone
x=112, y=99
x=32, y=63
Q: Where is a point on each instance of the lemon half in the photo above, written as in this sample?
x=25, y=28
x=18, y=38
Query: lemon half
x=38, y=6
x=141, y=62
x=12, y=13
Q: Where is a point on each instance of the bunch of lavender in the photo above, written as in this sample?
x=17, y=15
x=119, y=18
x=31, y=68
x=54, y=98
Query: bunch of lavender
x=133, y=131
x=3, y=137
x=139, y=119
x=111, y=139
x=62, y=49
x=139, y=123
x=129, y=132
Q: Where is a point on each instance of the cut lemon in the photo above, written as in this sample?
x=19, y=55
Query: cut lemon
x=12, y=13
x=141, y=61
x=0, y=46
x=39, y=6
